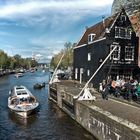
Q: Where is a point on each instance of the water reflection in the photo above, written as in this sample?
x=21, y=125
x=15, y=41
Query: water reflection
x=15, y=118
x=48, y=123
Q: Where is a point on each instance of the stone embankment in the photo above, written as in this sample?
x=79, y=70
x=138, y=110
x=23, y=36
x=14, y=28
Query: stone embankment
x=110, y=119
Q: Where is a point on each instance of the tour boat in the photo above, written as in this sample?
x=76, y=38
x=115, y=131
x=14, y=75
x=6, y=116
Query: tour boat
x=21, y=101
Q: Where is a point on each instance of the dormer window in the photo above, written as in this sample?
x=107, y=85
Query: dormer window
x=122, y=18
x=107, y=30
x=91, y=37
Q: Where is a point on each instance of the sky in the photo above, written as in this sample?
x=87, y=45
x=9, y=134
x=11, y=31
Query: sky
x=42, y=27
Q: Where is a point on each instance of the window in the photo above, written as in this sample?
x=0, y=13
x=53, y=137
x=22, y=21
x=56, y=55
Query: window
x=129, y=53
x=76, y=73
x=128, y=34
x=88, y=72
x=121, y=32
x=81, y=70
x=122, y=18
x=116, y=54
x=91, y=37
x=89, y=56
x=127, y=74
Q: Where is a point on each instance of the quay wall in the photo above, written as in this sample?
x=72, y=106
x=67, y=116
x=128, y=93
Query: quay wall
x=102, y=124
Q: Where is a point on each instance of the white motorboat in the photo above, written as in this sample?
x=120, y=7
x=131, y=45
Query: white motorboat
x=21, y=101
x=18, y=75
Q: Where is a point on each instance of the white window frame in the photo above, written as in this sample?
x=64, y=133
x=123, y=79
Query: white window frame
x=89, y=56
x=81, y=70
x=88, y=72
x=123, y=17
x=127, y=32
x=91, y=37
x=131, y=55
x=76, y=73
x=117, y=50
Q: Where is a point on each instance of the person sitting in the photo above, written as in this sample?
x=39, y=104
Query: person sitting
x=137, y=91
x=113, y=87
x=101, y=87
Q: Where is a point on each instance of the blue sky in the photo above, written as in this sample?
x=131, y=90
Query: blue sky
x=42, y=27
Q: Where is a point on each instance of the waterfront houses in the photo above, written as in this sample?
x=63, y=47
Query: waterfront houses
x=98, y=41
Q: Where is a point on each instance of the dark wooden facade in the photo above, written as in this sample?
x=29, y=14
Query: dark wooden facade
x=91, y=52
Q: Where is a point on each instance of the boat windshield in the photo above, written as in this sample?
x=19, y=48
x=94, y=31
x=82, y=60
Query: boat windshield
x=19, y=88
x=21, y=93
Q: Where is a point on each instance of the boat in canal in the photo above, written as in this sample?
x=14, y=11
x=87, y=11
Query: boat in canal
x=21, y=101
x=39, y=85
x=32, y=70
x=19, y=74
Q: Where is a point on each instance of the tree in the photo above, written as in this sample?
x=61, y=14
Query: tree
x=3, y=59
x=68, y=56
x=15, y=62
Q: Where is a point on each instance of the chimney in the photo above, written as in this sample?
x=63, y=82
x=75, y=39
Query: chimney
x=86, y=27
x=103, y=19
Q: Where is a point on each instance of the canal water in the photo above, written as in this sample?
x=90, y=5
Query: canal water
x=49, y=122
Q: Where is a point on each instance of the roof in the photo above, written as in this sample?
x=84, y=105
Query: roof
x=97, y=29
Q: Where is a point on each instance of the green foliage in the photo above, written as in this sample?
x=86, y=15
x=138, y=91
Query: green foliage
x=3, y=59
x=67, y=59
x=15, y=62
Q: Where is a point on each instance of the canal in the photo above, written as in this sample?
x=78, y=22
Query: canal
x=49, y=122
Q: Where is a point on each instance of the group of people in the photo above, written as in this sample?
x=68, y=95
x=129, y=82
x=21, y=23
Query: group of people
x=129, y=89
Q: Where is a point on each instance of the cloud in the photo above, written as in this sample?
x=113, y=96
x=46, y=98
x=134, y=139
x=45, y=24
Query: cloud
x=39, y=10
x=50, y=23
x=46, y=43
x=38, y=55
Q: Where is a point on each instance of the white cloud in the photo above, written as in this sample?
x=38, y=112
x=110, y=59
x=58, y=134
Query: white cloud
x=52, y=13
x=36, y=7
x=42, y=47
x=45, y=42
x=50, y=57
x=59, y=17
x=38, y=55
